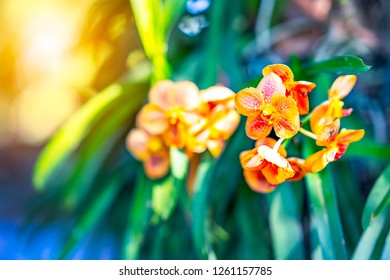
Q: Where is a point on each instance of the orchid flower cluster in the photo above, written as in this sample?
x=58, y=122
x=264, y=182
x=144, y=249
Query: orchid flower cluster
x=277, y=103
x=181, y=116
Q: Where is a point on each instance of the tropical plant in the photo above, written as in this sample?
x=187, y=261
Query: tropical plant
x=198, y=204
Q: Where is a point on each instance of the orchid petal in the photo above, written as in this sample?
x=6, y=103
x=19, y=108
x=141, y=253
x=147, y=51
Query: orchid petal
x=257, y=128
x=270, y=85
x=184, y=94
x=257, y=182
x=286, y=116
x=152, y=119
x=248, y=101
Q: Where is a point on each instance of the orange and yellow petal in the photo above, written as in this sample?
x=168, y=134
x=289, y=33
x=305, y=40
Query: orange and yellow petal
x=175, y=135
x=215, y=146
x=248, y=101
x=320, y=118
x=185, y=95
x=247, y=156
x=197, y=143
x=158, y=94
x=283, y=71
x=285, y=116
x=342, y=86
x=328, y=134
x=299, y=92
x=152, y=119
x=316, y=162
x=270, y=85
x=349, y=135
x=257, y=182
x=257, y=128
x=275, y=174
x=157, y=165
x=225, y=126
x=137, y=143
x=216, y=94
x=298, y=165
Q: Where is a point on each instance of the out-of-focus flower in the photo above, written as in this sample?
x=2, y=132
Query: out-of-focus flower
x=173, y=108
x=264, y=167
x=180, y=115
x=151, y=150
x=325, y=113
x=219, y=123
x=267, y=106
x=299, y=90
x=335, y=143
x=298, y=165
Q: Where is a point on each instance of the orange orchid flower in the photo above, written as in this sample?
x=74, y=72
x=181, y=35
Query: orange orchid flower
x=172, y=109
x=298, y=165
x=265, y=168
x=325, y=113
x=335, y=143
x=151, y=150
x=299, y=90
x=219, y=123
x=267, y=106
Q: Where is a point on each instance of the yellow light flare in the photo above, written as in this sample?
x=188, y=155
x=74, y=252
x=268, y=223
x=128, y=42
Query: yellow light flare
x=40, y=110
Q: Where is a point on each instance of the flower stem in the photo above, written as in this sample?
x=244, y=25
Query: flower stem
x=308, y=133
x=277, y=144
x=306, y=119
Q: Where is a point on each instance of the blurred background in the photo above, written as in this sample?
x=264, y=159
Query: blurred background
x=57, y=55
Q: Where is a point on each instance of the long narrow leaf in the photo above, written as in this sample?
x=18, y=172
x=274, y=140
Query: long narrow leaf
x=324, y=210
x=285, y=224
x=377, y=199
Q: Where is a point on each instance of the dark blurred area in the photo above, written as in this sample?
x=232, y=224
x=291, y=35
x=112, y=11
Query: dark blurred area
x=56, y=56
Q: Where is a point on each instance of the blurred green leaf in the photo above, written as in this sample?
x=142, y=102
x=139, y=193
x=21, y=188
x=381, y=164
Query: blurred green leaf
x=172, y=11
x=82, y=163
x=285, y=224
x=350, y=202
x=369, y=149
x=165, y=196
x=374, y=237
x=253, y=238
x=339, y=65
x=67, y=139
x=91, y=216
x=201, y=226
x=138, y=218
x=386, y=248
x=324, y=210
x=378, y=198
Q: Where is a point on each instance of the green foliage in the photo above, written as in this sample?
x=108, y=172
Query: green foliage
x=339, y=65
x=86, y=173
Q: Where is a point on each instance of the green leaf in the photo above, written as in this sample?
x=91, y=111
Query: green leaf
x=379, y=196
x=165, y=196
x=70, y=135
x=250, y=222
x=285, y=224
x=166, y=192
x=339, y=65
x=374, y=237
x=138, y=218
x=172, y=11
x=350, y=202
x=56, y=163
x=91, y=216
x=386, y=249
x=324, y=211
x=201, y=226
x=368, y=149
